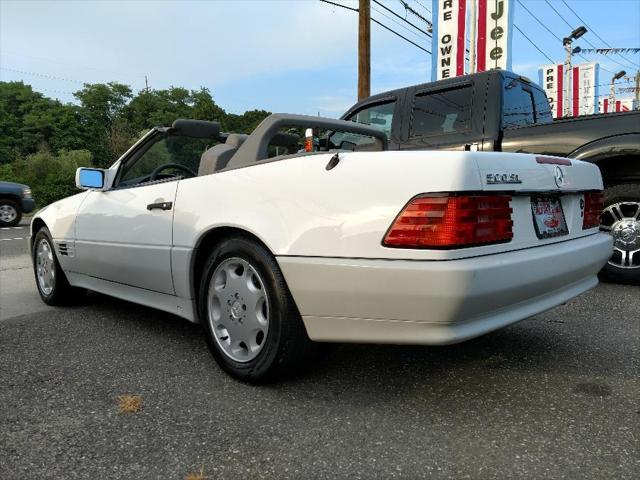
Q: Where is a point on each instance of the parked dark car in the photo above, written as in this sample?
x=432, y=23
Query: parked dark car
x=502, y=111
x=15, y=199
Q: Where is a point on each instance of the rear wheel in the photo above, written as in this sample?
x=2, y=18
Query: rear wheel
x=10, y=213
x=53, y=287
x=252, y=325
x=621, y=219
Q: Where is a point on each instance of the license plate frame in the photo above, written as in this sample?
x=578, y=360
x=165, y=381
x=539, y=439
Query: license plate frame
x=548, y=216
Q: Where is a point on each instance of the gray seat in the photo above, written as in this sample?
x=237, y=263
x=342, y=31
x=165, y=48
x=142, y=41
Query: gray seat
x=217, y=157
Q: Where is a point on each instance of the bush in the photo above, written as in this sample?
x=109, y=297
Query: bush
x=51, y=177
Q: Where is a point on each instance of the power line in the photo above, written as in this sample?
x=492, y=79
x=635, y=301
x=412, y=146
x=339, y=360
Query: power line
x=379, y=23
x=408, y=9
x=571, y=27
x=396, y=22
x=539, y=21
x=594, y=32
x=401, y=36
x=340, y=5
x=42, y=75
x=420, y=3
x=531, y=42
x=403, y=19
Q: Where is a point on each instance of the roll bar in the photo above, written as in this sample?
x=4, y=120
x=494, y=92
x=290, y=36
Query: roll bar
x=255, y=147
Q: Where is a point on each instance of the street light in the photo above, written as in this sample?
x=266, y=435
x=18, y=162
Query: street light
x=612, y=92
x=566, y=42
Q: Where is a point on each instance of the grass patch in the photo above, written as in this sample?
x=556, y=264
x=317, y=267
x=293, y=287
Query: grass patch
x=196, y=476
x=129, y=403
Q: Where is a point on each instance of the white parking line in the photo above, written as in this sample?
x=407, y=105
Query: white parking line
x=9, y=239
x=13, y=228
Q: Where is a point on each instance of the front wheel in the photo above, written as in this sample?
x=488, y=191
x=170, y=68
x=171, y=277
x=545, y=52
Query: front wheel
x=10, y=213
x=253, y=327
x=53, y=287
x=621, y=219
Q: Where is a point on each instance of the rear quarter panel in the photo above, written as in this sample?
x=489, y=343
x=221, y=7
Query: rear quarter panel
x=297, y=207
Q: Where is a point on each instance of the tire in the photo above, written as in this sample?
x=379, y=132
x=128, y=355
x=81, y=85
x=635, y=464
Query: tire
x=56, y=291
x=621, y=218
x=252, y=325
x=10, y=213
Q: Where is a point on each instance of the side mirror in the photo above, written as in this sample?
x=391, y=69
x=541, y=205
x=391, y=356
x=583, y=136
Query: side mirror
x=90, y=178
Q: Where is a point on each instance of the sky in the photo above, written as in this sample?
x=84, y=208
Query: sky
x=294, y=56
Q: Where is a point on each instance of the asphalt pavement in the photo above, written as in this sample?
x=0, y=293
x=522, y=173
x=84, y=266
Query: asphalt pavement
x=555, y=396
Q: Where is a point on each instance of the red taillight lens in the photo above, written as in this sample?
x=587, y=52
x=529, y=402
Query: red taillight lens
x=593, y=205
x=452, y=221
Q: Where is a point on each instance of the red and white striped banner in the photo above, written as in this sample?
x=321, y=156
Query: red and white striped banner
x=493, y=46
x=449, y=34
x=582, y=90
x=622, y=105
x=552, y=81
x=494, y=19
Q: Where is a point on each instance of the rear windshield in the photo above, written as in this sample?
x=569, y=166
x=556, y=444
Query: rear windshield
x=523, y=104
x=442, y=112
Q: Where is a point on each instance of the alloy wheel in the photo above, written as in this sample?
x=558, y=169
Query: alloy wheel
x=8, y=213
x=45, y=267
x=238, y=309
x=622, y=221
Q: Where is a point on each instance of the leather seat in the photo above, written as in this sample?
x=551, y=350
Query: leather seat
x=217, y=157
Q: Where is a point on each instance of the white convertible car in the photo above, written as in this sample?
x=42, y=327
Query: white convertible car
x=272, y=247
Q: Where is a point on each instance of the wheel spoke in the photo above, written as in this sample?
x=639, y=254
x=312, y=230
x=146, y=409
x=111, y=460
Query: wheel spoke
x=616, y=212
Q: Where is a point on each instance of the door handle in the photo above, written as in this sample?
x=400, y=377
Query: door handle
x=160, y=206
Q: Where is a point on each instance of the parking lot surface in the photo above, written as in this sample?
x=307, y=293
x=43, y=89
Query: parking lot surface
x=555, y=396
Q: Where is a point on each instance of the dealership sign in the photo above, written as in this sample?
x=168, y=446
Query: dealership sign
x=582, y=88
x=552, y=81
x=494, y=19
x=448, y=38
x=622, y=105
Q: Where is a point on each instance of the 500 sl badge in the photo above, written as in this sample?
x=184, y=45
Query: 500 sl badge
x=501, y=178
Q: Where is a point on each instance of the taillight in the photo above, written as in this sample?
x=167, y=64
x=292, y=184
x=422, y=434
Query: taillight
x=593, y=205
x=447, y=221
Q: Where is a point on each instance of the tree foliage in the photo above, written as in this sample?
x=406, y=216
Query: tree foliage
x=42, y=140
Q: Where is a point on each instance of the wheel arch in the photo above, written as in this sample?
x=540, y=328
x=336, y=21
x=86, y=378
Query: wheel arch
x=36, y=224
x=208, y=240
x=618, y=157
x=10, y=196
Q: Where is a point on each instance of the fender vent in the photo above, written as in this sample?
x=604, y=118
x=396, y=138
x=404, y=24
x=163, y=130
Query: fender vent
x=66, y=249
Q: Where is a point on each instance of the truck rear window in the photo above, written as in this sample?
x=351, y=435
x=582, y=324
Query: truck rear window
x=523, y=104
x=442, y=112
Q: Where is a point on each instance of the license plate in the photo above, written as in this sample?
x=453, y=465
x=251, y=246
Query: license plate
x=548, y=217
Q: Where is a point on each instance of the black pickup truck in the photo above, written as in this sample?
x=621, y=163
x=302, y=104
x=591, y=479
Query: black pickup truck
x=502, y=111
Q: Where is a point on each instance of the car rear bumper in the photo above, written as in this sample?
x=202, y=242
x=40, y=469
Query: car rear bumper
x=438, y=302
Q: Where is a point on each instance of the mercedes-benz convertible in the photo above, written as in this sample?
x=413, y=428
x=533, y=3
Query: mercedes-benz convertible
x=310, y=230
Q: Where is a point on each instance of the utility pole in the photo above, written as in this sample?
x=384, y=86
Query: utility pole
x=567, y=78
x=638, y=90
x=568, y=74
x=364, y=50
x=612, y=90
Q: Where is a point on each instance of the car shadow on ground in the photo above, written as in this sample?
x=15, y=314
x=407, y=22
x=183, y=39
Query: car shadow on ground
x=552, y=343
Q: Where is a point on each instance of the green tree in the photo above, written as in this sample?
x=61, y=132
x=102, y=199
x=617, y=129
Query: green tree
x=101, y=111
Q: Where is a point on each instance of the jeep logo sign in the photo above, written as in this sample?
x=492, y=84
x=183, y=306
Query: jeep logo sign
x=493, y=43
x=495, y=19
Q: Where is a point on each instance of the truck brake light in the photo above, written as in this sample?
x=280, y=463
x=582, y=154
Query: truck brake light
x=452, y=221
x=593, y=205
